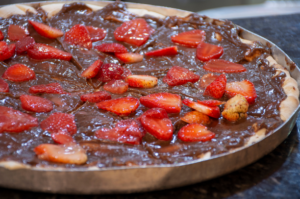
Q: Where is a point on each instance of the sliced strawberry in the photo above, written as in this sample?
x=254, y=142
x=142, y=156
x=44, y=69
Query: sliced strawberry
x=92, y=70
x=207, y=110
x=126, y=73
x=178, y=76
x=126, y=131
x=16, y=32
x=216, y=89
x=62, y=138
x=141, y=81
x=169, y=51
x=245, y=88
x=121, y=106
x=36, y=104
x=207, y=79
x=135, y=32
x=110, y=71
x=14, y=121
x=6, y=51
x=210, y=102
x=3, y=47
x=158, y=113
x=57, y=122
x=190, y=38
x=54, y=88
x=46, y=31
x=195, y=133
x=43, y=51
x=111, y=48
x=170, y=102
x=220, y=66
x=1, y=35
x=162, y=129
x=24, y=44
x=196, y=117
x=96, y=34
x=95, y=97
x=66, y=154
x=116, y=86
x=130, y=57
x=4, y=87
x=206, y=51
x=79, y=35
x=19, y=73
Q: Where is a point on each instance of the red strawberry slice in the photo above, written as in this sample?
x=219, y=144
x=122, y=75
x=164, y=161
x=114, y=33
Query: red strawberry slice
x=196, y=117
x=96, y=34
x=210, y=102
x=195, y=133
x=54, y=88
x=16, y=32
x=111, y=48
x=178, y=76
x=36, y=104
x=24, y=44
x=62, y=138
x=206, y=51
x=1, y=35
x=220, y=66
x=135, y=32
x=95, y=97
x=158, y=113
x=126, y=131
x=4, y=87
x=162, y=129
x=66, y=154
x=216, y=89
x=245, y=88
x=121, y=106
x=14, y=121
x=130, y=57
x=207, y=79
x=207, y=110
x=110, y=71
x=169, y=51
x=58, y=122
x=170, y=102
x=92, y=70
x=19, y=73
x=141, y=81
x=43, y=51
x=126, y=73
x=6, y=51
x=79, y=35
x=46, y=31
x=116, y=86
x=190, y=38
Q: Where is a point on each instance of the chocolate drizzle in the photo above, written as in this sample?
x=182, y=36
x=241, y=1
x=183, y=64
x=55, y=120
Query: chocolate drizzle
x=264, y=113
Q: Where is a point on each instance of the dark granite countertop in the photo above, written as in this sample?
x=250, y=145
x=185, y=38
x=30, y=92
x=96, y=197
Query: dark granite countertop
x=277, y=175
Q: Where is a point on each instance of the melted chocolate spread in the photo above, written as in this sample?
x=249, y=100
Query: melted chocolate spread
x=264, y=113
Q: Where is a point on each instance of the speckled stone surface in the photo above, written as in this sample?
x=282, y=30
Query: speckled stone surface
x=276, y=175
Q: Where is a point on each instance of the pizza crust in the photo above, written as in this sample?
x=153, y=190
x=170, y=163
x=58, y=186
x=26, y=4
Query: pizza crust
x=287, y=106
x=16, y=9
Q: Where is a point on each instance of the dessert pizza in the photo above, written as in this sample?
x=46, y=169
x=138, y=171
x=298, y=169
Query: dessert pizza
x=88, y=86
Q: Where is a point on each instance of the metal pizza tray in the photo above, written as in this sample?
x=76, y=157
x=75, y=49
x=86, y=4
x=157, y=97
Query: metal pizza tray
x=154, y=177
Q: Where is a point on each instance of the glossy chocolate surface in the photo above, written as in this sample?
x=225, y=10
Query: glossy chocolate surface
x=264, y=113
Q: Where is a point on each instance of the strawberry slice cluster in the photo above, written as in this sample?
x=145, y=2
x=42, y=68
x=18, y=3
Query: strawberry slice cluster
x=117, y=79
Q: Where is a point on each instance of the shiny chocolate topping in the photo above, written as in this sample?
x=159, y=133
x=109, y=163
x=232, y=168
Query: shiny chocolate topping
x=264, y=113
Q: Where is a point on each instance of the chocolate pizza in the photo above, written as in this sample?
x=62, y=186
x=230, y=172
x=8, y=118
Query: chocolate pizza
x=85, y=86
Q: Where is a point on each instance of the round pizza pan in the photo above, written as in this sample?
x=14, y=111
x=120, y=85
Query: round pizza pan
x=147, y=178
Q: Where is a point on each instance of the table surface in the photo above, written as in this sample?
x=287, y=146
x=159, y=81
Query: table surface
x=277, y=175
